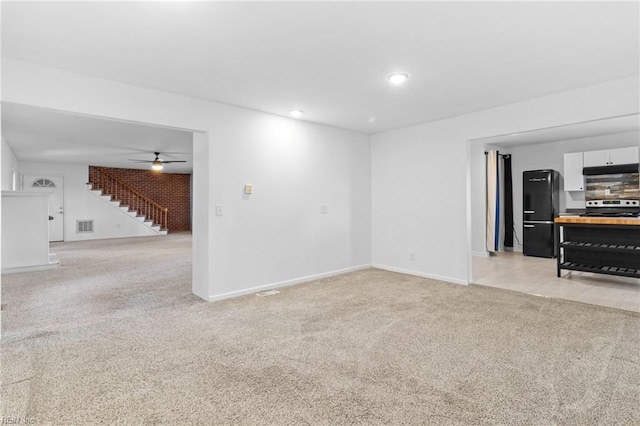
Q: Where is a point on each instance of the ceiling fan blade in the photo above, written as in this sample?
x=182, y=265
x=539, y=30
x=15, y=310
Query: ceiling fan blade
x=158, y=160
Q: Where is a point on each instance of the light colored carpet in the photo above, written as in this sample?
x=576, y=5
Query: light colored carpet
x=115, y=336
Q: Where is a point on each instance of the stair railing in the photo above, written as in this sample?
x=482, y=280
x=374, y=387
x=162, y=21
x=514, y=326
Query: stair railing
x=111, y=185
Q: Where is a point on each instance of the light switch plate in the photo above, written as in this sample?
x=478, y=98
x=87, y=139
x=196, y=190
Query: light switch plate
x=324, y=209
x=248, y=188
x=218, y=209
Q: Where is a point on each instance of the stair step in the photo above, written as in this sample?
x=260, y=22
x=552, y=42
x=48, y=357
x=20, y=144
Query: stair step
x=126, y=209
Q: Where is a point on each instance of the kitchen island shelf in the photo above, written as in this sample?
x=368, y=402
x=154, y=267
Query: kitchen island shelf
x=609, y=270
x=599, y=246
x=605, y=246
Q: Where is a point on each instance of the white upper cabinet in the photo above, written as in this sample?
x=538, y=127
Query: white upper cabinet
x=611, y=157
x=623, y=156
x=573, y=179
x=596, y=158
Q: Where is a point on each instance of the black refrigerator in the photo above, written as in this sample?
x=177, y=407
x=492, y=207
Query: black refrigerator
x=540, y=202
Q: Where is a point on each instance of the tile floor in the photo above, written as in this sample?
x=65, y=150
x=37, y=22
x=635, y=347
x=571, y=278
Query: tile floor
x=534, y=275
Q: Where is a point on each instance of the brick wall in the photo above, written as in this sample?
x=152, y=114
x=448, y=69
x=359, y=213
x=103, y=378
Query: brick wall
x=170, y=190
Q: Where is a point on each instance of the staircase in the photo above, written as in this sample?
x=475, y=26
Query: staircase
x=120, y=195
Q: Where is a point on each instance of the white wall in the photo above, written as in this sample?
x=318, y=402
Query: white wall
x=277, y=235
x=9, y=166
x=421, y=174
x=81, y=204
x=279, y=230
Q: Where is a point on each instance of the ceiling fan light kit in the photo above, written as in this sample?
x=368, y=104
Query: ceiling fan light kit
x=157, y=164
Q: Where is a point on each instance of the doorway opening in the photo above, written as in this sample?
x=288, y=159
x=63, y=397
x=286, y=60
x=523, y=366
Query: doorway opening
x=73, y=143
x=536, y=150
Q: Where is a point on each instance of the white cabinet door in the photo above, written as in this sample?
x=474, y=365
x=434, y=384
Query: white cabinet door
x=573, y=179
x=623, y=156
x=596, y=158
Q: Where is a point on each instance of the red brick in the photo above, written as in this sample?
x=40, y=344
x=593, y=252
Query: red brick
x=170, y=190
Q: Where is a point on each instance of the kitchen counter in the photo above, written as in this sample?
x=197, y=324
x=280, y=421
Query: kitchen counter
x=599, y=220
x=604, y=245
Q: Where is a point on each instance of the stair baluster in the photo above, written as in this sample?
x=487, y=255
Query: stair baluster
x=118, y=190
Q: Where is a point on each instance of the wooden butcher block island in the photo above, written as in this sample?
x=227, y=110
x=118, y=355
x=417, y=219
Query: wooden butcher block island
x=604, y=245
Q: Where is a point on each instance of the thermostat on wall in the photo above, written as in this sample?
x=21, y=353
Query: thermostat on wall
x=248, y=188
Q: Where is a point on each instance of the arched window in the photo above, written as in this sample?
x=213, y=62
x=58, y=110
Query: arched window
x=43, y=183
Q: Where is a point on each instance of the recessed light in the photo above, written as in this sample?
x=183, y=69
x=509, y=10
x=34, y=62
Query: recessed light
x=295, y=113
x=397, y=77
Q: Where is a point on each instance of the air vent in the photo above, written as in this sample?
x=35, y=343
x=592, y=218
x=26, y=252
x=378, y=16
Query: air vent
x=267, y=293
x=84, y=226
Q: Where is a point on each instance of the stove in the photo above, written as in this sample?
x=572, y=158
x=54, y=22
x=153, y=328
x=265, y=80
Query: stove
x=613, y=208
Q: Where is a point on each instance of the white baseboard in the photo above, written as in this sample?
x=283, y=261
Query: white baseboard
x=480, y=253
x=421, y=274
x=251, y=290
x=29, y=268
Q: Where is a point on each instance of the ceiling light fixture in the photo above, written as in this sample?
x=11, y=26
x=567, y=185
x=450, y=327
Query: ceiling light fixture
x=295, y=113
x=157, y=163
x=397, y=77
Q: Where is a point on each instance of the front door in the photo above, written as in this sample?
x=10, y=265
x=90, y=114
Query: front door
x=54, y=185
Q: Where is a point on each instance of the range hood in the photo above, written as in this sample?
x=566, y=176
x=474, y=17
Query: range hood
x=610, y=170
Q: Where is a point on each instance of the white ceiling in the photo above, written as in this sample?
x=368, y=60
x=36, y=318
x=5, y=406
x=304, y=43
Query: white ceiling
x=329, y=59
x=37, y=134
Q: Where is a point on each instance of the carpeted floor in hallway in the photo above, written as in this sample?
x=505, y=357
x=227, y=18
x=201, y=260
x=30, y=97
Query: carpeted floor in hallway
x=115, y=336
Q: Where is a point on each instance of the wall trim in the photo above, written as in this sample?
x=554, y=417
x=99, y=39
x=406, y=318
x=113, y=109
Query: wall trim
x=480, y=253
x=421, y=274
x=287, y=283
x=33, y=268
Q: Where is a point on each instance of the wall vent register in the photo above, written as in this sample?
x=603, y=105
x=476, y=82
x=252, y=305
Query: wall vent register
x=84, y=226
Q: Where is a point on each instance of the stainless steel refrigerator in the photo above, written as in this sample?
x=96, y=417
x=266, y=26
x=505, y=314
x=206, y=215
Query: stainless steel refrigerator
x=540, y=202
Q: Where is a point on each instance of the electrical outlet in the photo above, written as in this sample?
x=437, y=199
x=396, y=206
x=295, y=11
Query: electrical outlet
x=324, y=209
x=412, y=255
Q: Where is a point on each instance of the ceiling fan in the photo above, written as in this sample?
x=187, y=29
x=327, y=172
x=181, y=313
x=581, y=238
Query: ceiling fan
x=158, y=164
